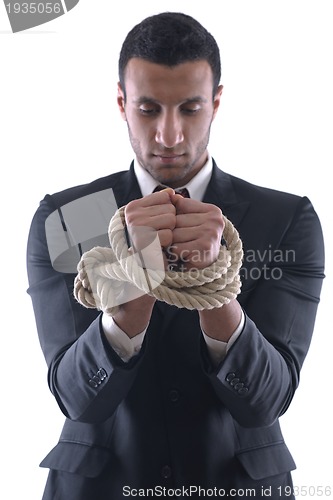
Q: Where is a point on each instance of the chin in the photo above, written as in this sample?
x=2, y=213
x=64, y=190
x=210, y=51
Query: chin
x=172, y=181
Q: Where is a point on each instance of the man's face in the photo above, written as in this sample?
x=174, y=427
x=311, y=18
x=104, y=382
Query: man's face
x=169, y=112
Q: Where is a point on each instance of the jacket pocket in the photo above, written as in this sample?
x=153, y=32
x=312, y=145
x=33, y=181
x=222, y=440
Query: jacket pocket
x=267, y=461
x=76, y=458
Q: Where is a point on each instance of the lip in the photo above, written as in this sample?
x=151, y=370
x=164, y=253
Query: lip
x=168, y=158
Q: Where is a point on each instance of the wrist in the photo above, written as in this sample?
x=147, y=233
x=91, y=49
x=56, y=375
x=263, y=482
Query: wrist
x=134, y=316
x=220, y=323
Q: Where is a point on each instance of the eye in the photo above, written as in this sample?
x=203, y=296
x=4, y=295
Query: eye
x=148, y=110
x=191, y=110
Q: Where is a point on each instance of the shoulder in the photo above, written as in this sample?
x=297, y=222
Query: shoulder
x=97, y=199
x=260, y=205
x=255, y=193
x=258, y=197
x=272, y=204
x=68, y=195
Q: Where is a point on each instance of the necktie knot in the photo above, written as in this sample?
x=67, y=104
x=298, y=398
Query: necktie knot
x=183, y=191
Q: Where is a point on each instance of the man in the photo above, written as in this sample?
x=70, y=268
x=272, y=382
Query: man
x=159, y=400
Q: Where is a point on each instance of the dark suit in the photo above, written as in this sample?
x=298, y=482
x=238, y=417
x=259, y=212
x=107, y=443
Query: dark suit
x=168, y=418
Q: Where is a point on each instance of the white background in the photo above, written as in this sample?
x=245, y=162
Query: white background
x=59, y=126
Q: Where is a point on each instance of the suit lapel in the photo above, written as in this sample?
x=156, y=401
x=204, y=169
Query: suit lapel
x=127, y=188
x=221, y=192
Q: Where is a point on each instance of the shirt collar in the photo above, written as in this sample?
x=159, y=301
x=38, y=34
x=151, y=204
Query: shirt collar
x=196, y=186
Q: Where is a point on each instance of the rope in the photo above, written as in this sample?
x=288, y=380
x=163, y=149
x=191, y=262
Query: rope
x=103, y=273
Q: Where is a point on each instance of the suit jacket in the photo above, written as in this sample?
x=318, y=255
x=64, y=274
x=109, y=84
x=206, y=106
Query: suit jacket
x=168, y=418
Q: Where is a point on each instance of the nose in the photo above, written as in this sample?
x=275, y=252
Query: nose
x=169, y=132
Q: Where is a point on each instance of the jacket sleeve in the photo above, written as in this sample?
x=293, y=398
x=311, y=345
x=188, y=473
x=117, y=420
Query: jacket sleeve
x=85, y=375
x=259, y=376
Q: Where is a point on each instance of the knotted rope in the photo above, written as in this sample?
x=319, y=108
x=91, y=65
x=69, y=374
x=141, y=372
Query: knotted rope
x=103, y=272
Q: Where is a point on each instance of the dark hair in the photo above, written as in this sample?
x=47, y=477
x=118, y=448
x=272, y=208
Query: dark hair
x=170, y=38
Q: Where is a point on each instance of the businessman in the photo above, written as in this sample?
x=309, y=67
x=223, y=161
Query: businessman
x=160, y=400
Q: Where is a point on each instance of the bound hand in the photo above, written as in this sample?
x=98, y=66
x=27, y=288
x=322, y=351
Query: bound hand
x=148, y=217
x=197, y=235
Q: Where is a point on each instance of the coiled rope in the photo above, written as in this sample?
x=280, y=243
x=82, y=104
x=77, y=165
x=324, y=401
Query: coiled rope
x=102, y=273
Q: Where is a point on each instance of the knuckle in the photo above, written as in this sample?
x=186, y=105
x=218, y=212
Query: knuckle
x=205, y=245
x=170, y=209
x=131, y=211
x=165, y=236
x=171, y=222
x=214, y=212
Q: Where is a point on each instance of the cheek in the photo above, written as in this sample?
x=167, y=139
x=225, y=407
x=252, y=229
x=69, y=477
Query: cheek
x=197, y=130
x=140, y=128
x=143, y=134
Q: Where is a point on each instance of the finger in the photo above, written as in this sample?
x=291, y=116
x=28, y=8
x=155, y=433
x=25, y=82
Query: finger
x=189, y=205
x=158, y=198
x=163, y=221
x=156, y=210
x=181, y=235
x=149, y=201
x=143, y=234
x=165, y=236
x=157, y=217
x=190, y=220
x=193, y=255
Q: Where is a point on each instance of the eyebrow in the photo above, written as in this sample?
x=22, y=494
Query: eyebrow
x=150, y=100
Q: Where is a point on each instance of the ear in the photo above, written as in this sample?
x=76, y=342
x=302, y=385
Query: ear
x=121, y=101
x=217, y=99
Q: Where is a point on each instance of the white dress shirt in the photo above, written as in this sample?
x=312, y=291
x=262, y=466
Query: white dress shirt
x=127, y=347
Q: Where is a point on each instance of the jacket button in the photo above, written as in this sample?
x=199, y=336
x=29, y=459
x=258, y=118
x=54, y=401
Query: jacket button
x=230, y=376
x=102, y=374
x=234, y=381
x=96, y=379
x=166, y=472
x=239, y=386
x=174, y=396
x=92, y=383
x=243, y=391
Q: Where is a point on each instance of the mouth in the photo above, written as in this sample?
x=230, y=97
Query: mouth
x=168, y=158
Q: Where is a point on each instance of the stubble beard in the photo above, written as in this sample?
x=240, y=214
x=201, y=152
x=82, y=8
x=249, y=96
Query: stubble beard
x=161, y=175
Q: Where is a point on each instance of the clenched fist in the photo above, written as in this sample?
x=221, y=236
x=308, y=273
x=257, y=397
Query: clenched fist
x=154, y=213
x=197, y=236
x=189, y=231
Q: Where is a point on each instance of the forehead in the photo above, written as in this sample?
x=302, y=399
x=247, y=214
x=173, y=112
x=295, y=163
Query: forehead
x=165, y=83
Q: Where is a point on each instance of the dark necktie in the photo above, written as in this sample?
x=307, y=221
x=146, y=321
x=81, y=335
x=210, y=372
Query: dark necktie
x=183, y=191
